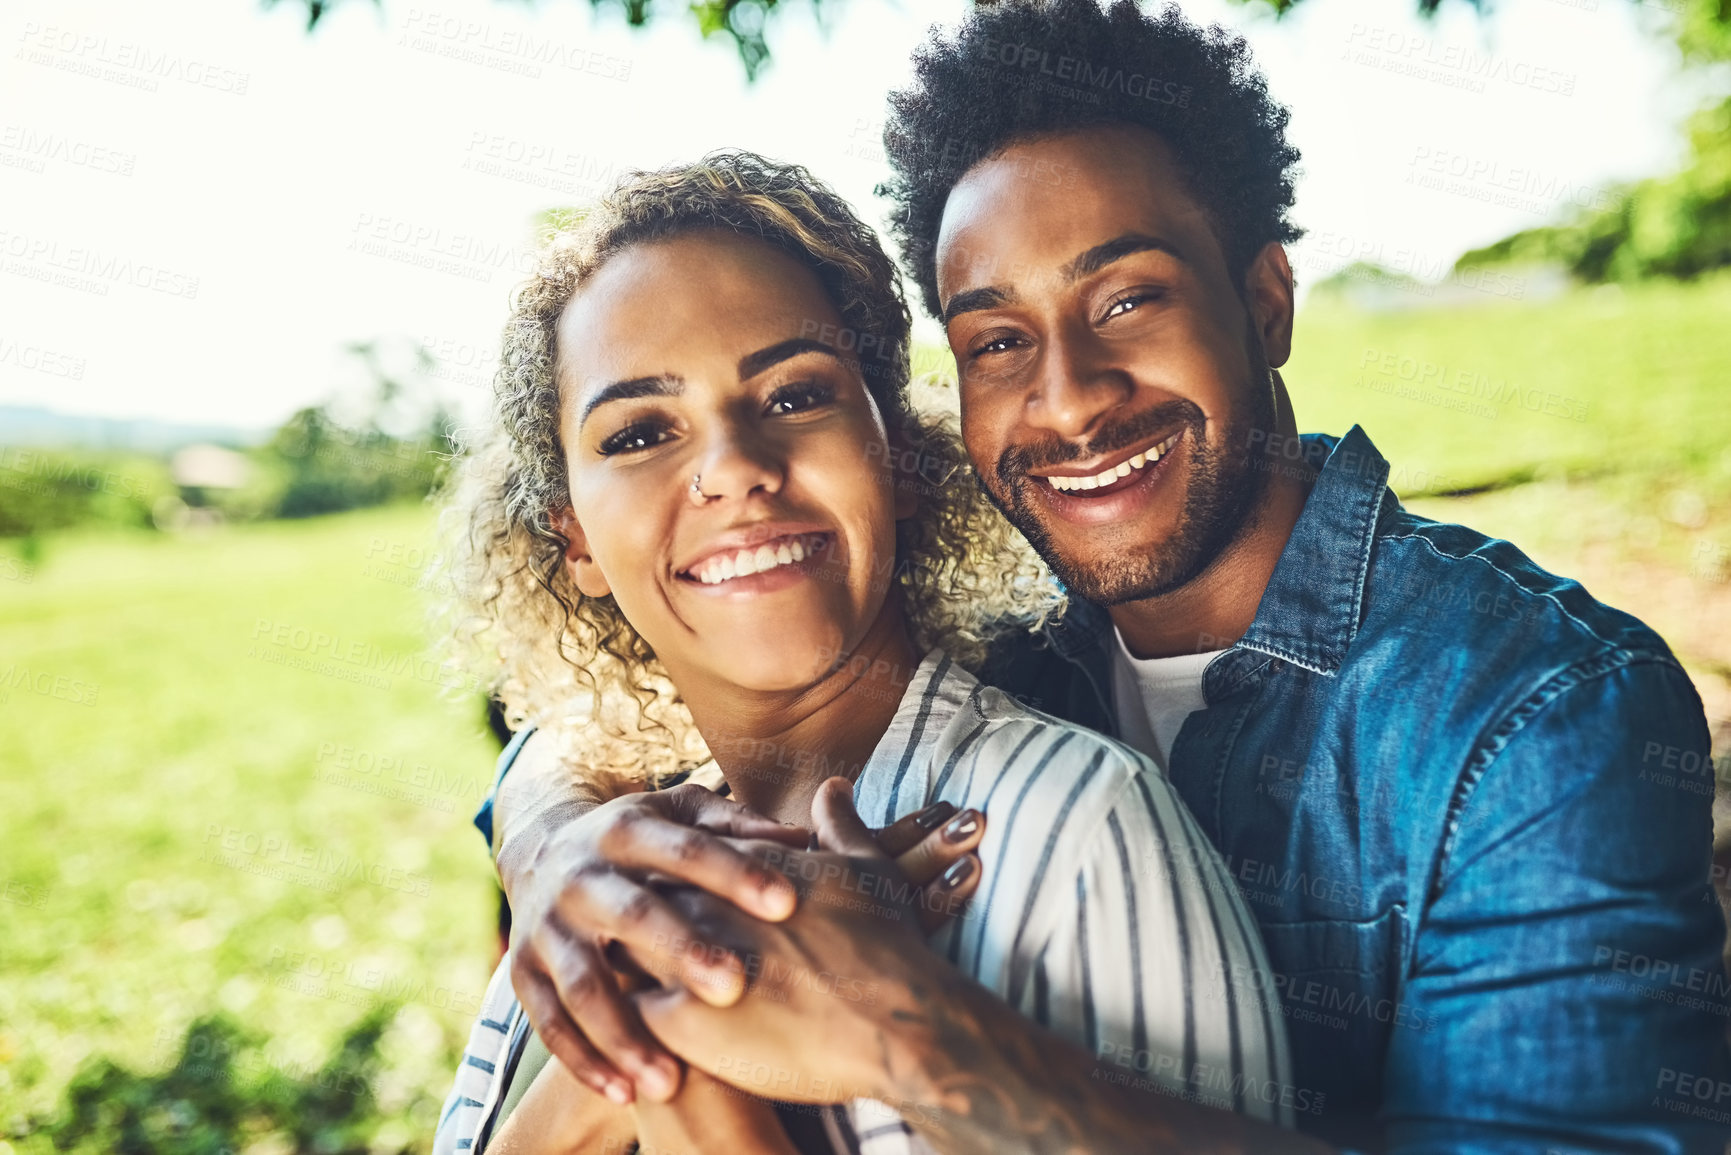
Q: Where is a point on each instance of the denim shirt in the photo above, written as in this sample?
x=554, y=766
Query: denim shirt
x=1470, y=809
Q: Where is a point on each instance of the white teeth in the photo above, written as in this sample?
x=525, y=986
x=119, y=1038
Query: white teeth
x=746, y=562
x=1122, y=469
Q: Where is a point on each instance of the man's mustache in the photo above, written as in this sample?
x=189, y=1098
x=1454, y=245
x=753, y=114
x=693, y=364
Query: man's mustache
x=1015, y=462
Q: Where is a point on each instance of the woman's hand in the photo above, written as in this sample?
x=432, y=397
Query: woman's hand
x=708, y=1117
x=934, y=850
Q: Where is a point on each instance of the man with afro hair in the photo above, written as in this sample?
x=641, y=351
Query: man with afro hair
x=1434, y=768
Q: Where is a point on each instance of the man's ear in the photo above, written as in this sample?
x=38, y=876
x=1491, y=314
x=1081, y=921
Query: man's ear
x=1268, y=295
x=591, y=582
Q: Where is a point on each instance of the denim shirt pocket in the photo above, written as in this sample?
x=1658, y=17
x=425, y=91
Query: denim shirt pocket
x=1339, y=987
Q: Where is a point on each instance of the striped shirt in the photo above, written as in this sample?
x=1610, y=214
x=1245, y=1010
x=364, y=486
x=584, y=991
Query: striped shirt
x=1103, y=914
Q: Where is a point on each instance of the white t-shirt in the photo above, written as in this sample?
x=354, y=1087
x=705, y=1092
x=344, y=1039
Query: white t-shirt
x=1154, y=696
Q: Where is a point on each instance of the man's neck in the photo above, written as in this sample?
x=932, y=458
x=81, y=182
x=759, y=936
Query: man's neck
x=775, y=749
x=1215, y=608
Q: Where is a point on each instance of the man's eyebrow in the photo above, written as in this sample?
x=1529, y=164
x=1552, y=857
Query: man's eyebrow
x=1084, y=264
x=973, y=300
x=1116, y=249
x=662, y=386
x=752, y=364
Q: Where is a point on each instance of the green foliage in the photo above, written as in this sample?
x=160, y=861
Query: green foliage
x=1283, y=7
x=316, y=9
x=49, y=489
x=223, y=1092
x=1674, y=226
x=742, y=21
x=1703, y=29
x=314, y=465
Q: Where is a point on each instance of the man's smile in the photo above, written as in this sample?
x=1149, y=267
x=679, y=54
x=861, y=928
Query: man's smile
x=1107, y=477
x=1119, y=492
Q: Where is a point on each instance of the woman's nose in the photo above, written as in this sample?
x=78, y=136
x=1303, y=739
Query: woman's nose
x=736, y=464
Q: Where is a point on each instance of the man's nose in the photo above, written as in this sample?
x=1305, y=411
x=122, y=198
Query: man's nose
x=1076, y=385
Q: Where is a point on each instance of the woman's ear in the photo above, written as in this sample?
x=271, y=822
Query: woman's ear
x=590, y=581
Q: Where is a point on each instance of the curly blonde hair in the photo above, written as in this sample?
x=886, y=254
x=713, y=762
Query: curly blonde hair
x=572, y=664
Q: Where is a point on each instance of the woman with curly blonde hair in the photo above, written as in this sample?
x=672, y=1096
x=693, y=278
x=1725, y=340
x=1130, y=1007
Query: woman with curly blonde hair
x=568, y=661
x=711, y=524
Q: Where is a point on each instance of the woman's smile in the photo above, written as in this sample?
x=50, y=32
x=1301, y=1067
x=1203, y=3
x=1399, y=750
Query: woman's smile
x=761, y=551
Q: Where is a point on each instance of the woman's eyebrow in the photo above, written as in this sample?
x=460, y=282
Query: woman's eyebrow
x=665, y=385
x=752, y=364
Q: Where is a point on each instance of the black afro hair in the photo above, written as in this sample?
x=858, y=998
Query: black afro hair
x=1020, y=69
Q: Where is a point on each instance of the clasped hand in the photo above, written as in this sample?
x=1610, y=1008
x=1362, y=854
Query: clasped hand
x=773, y=967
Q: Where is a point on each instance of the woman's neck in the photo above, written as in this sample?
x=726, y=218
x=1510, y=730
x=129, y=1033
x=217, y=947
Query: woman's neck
x=775, y=749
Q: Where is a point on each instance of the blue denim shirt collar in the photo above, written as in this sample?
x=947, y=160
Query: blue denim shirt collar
x=1310, y=612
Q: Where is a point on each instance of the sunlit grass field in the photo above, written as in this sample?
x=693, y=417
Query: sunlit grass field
x=189, y=823
x=1597, y=426
x=1600, y=380
x=227, y=783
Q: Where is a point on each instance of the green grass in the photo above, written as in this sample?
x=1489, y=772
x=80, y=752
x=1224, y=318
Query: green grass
x=1634, y=500
x=1645, y=365
x=166, y=734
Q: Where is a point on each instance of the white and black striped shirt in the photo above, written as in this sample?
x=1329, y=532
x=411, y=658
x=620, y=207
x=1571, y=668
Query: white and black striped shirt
x=1104, y=914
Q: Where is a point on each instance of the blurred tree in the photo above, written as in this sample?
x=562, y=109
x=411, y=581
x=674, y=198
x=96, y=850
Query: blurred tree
x=742, y=21
x=1671, y=226
x=1703, y=26
x=1674, y=226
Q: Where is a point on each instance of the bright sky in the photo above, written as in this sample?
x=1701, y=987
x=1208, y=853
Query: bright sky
x=201, y=205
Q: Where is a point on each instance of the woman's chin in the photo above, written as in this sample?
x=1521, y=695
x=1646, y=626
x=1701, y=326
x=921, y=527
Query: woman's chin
x=776, y=664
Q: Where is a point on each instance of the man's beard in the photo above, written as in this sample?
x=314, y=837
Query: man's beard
x=1223, y=488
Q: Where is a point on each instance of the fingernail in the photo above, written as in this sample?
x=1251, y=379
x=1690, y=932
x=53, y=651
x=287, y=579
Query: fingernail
x=656, y=1082
x=959, y=873
x=963, y=827
x=933, y=814
x=618, y=1093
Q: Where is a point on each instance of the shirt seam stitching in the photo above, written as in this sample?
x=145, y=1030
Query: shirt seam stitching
x=1513, y=722
x=1547, y=595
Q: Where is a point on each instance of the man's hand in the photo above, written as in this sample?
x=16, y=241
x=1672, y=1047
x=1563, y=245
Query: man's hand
x=578, y=887
x=575, y=870
x=825, y=982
